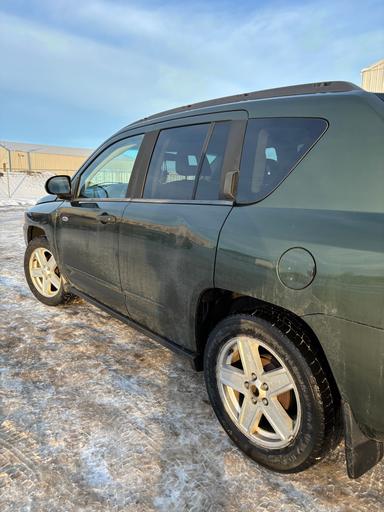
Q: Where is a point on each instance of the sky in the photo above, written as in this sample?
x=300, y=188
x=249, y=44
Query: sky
x=72, y=72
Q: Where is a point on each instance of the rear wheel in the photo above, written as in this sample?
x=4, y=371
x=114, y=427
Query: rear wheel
x=43, y=274
x=271, y=396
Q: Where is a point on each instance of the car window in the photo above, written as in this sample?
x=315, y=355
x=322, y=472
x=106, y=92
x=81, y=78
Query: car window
x=272, y=148
x=175, y=162
x=209, y=178
x=108, y=176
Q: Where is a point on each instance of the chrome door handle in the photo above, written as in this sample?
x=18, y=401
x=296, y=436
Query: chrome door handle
x=105, y=218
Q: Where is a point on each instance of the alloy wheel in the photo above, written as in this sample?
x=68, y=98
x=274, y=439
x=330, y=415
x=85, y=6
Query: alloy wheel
x=44, y=272
x=258, y=392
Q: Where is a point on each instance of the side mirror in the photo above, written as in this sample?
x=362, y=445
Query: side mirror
x=59, y=186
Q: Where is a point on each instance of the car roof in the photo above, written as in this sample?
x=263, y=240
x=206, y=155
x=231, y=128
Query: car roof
x=279, y=92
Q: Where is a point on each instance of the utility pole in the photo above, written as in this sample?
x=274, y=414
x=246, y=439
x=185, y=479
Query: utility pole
x=29, y=161
x=9, y=169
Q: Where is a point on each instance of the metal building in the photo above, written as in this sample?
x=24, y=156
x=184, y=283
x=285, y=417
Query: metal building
x=19, y=156
x=372, y=78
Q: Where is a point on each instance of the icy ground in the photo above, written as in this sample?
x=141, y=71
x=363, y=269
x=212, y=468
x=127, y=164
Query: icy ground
x=96, y=417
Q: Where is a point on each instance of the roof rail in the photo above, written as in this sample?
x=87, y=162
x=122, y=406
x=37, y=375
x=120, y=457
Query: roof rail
x=293, y=90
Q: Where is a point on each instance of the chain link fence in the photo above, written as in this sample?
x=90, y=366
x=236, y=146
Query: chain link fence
x=22, y=185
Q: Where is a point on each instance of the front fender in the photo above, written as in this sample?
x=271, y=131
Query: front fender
x=43, y=217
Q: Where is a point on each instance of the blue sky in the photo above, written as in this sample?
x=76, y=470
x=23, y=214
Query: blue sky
x=75, y=71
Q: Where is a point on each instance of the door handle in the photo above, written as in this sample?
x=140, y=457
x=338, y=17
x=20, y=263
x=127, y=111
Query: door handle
x=230, y=185
x=105, y=218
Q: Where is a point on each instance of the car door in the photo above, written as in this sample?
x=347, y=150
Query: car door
x=168, y=236
x=87, y=227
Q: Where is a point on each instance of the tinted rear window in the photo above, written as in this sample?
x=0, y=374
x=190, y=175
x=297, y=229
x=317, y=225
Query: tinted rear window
x=272, y=148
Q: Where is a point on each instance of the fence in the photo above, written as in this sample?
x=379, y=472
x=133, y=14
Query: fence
x=24, y=185
x=112, y=176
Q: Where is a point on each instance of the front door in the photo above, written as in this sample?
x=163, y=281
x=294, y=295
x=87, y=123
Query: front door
x=88, y=226
x=168, y=237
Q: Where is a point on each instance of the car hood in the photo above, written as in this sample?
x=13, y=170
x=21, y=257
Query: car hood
x=50, y=198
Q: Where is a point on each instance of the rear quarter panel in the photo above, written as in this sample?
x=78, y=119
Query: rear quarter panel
x=332, y=205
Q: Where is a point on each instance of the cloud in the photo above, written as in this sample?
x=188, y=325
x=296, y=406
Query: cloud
x=131, y=60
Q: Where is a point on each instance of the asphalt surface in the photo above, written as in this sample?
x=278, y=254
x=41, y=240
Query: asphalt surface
x=96, y=417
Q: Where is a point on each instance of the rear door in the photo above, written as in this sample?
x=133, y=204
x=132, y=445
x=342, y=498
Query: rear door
x=87, y=227
x=168, y=236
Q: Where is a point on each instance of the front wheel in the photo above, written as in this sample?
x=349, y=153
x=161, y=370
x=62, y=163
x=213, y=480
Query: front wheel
x=272, y=396
x=42, y=273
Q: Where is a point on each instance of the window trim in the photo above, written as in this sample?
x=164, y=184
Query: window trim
x=141, y=166
x=81, y=200
x=213, y=202
x=208, y=137
x=245, y=203
x=233, y=154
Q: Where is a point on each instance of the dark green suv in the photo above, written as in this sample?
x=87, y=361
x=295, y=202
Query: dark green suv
x=246, y=233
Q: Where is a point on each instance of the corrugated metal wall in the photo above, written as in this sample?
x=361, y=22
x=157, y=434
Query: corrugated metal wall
x=373, y=77
x=59, y=164
x=40, y=162
x=4, y=159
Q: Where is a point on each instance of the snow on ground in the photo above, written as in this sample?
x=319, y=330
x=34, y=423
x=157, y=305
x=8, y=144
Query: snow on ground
x=96, y=417
x=17, y=202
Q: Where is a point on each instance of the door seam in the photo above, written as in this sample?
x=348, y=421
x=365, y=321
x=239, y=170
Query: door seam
x=217, y=247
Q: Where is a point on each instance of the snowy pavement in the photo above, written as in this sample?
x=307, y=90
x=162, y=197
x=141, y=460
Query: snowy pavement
x=96, y=417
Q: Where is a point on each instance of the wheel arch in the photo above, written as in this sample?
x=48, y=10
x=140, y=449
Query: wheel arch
x=216, y=303
x=35, y=232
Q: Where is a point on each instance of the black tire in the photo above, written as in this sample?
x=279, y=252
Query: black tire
x=61, y=296
x=319, y=428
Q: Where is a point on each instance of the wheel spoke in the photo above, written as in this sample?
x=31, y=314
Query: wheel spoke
x=250, y=415
x=279, y=419
x=55, y=280
x=250, y=357
x=46, y=285
x=278, y=381
x=36, y=272
x=52, y=264
x=40, y=256
x=233, y=378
